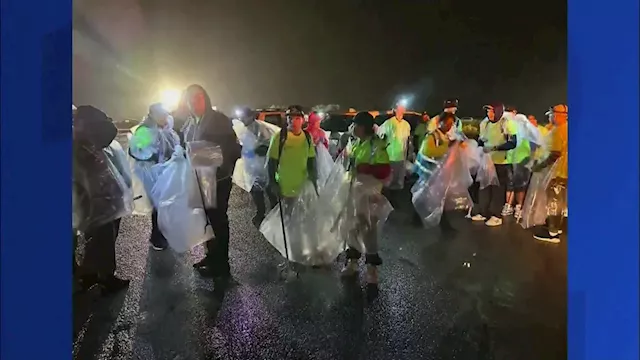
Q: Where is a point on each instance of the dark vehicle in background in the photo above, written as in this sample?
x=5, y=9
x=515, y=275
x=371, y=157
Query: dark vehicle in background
x=273, y=116
x=336, y=124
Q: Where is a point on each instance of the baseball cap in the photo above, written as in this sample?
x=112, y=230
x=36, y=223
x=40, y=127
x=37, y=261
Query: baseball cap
x=560, y=109
x=450, y=103
x=364, y=118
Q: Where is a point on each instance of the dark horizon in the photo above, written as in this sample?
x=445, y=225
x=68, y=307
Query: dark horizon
x=353, y=53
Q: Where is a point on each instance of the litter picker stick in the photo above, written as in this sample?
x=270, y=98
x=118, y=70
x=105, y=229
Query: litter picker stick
x=284, y=230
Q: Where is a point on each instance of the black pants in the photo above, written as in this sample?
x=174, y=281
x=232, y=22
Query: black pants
x=100, y=250
x=258, y=194
x=157, y=239
x=492, y=198
x=218, y=247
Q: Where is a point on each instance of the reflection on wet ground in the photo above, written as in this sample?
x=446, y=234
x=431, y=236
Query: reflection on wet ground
x=479, y=293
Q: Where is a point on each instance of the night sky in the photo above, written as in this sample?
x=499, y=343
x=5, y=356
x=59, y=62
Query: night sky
x=361, y=54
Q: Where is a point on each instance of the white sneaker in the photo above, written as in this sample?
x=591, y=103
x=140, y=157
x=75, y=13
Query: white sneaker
x=350, y=268
x=494, y=221
x=372, y=275
x=478, y=217
x=517, y=212
x=507, y=210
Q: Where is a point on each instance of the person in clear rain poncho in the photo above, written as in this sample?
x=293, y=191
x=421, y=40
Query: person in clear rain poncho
x=498, y=136
x=370, y=168
x=259, y=189
x=557, y=163
x=291, y=159
x=324, y=161
x=520, y=157
x=450, y=106
x=432, y=151
x=206, y=125
x=396, y=131
x=101, y=197
x=153, y=142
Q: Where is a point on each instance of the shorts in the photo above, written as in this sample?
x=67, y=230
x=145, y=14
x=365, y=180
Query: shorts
x=521, y=177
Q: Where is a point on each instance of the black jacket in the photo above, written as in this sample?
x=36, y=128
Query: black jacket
x=217, y=128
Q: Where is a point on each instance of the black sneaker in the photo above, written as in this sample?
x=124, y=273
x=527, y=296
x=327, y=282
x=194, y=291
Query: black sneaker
x=112, y=285
x=158, y=245
x=545, y=235
x=202, y=263
x=214, y=272
x=86, y=282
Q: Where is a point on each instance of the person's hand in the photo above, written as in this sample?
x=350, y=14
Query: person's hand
x=537, y=167
x=178, y=152
x=488, y=149
x=275, y=187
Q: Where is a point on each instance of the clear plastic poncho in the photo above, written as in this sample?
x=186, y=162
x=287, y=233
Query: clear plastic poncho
x=149, y=145
x=534, y=209
x=305, y=234
x=319, y=228
x=204, y=158
x=250, y=169
x=526, y=130
x=362, y=206
x=486, y=175
x=324, y=164
x=100, y=192
x=446, y=189
x=184, y=226
x=471, y=155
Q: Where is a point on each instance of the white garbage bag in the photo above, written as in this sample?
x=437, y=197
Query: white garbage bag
x=182, y=225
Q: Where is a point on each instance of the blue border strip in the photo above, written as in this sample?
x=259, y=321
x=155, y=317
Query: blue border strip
x=35, y=179
x=603, y=186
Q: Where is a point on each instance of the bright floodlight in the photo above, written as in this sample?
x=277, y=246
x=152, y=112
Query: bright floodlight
x=321, y=115
x=403, y=102
x=238, y=112
x=170, y=98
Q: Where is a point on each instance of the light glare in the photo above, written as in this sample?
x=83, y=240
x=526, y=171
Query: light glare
x=170, y=99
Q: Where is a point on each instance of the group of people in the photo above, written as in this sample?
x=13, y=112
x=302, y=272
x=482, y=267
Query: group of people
x=342, y=201
x=516, y=147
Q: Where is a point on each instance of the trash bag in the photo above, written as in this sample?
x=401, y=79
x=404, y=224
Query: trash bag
x=324, y=164
x=351, y=204
x=204, y=158
x=446, y=189
x=183, y=226
x=534, y=209
x=306, y=243
x=526, y=130
x=118, y=157
x=471, y=155
x=100, y=192
x=142, y=174
x=486, y=174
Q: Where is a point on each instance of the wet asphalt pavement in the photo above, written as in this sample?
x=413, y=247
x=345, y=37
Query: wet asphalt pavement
x=479, y=293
